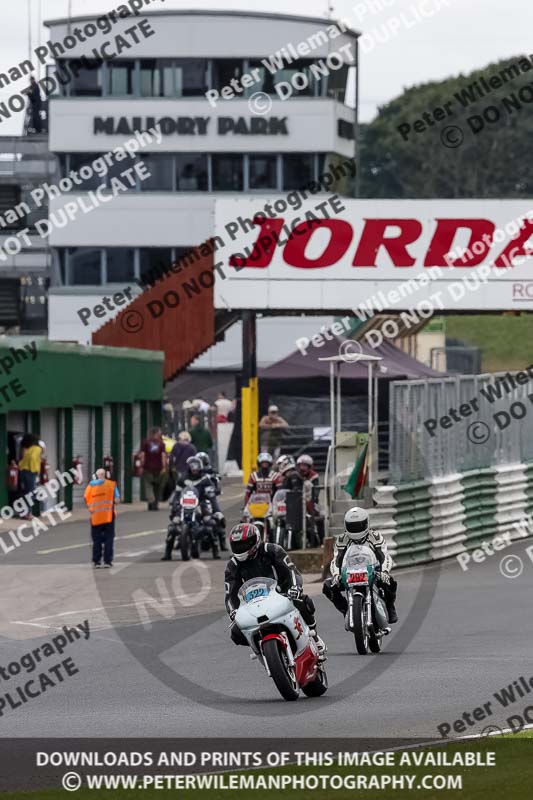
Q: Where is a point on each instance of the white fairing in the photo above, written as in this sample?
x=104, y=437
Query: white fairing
x=279, y=610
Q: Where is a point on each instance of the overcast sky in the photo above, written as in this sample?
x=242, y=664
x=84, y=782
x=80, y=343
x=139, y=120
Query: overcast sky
x=460, y=36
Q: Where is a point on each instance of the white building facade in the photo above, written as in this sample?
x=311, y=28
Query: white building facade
x=252, y=143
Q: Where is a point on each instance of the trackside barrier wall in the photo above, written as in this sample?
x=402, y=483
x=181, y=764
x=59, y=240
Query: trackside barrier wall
x=440, y=517
x=417, y=453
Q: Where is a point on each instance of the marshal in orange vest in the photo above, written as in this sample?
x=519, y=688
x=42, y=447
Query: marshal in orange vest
x=100, y=501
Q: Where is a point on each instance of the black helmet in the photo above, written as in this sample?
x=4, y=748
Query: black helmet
x=244, y=540
x=194, y=465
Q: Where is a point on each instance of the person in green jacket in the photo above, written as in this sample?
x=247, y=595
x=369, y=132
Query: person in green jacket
x=200, y=436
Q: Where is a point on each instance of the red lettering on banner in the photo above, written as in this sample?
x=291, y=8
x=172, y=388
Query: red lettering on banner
x=264, y=247
x=373, y=237
x=445, y=233
x=516, y=247
x=341, y=234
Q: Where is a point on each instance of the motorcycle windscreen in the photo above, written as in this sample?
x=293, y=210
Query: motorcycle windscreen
x=255, y=588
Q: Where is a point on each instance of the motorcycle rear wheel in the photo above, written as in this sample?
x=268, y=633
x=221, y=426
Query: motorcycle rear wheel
x=280, y=670
x=317, y=687
x=359, y=628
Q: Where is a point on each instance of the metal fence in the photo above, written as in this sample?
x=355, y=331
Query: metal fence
x=493, y=424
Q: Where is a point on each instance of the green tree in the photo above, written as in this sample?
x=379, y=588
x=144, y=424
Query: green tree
x=495, y=162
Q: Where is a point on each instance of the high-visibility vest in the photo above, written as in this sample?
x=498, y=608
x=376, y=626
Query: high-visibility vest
x=100, y=501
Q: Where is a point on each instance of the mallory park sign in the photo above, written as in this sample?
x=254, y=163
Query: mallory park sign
x=192, y=126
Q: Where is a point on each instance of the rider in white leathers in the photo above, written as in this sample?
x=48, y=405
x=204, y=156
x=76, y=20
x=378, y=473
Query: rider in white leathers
x=358, y=530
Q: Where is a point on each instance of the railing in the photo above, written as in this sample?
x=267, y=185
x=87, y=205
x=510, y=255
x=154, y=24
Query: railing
x=329, y=487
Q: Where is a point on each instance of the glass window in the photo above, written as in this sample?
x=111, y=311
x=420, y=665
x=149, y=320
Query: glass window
x=88, y=81
x=224, y=69
x=266, y=79
x=191, y=172
x=79, y=160
x=161, y=167
x=120, y=80
x=118, y=167
x=120, y=264
x=191, y=77
x=157, y=77
x=302, y=85
x=154, y=261
x=337, y=82
x=85, y=266
x=298, y=170
x=227, y=173
x=263, y=172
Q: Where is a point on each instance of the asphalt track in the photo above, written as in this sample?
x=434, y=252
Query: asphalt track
x=461, y=637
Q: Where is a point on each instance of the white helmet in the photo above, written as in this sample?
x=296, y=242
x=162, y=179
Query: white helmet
x=281, y=461
x=356, y=524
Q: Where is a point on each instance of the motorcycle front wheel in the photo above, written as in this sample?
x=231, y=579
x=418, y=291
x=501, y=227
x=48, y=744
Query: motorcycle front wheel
x=281, y=671
x=317, y=687
x=185, y=538
x=359, y=625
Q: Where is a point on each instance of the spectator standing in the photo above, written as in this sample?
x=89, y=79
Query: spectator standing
x=154, y=460
x=34, y=95
x=272, y=426
x=168, y=413
x=223, y=406
x=182, y=450
x=100, y=496
x=29, y=465
x=200, y=436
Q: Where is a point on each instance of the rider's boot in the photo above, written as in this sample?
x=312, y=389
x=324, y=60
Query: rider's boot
x=320, y=643
x=391, y=610
x=168, y=550
x=390, y=599
x=216, y=553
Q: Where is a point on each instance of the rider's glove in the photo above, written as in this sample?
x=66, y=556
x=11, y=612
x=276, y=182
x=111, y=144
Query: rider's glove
x=232, y=615
x=295, y=593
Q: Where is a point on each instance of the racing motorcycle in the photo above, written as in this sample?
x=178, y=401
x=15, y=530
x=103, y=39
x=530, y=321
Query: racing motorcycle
x=193, y=523
x=259, y=512
x=280, y=534
x=367, y=616
x=280, y=639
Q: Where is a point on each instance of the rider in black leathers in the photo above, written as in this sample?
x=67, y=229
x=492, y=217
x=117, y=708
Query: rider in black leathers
x=215, y=479
x=192, y=478
x=253, y=558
